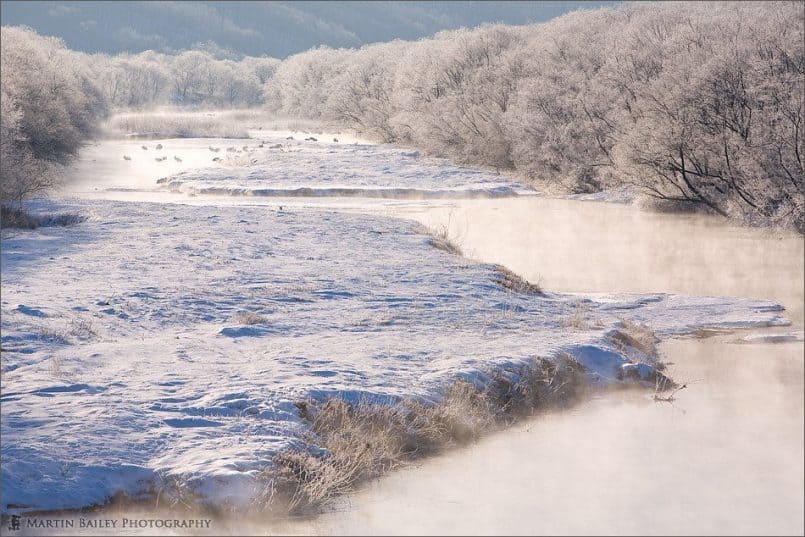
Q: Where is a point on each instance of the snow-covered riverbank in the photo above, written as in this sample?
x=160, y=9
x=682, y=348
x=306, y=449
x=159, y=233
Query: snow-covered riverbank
x=160, y=340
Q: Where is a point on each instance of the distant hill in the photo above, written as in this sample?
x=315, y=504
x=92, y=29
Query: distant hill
x=261, y=28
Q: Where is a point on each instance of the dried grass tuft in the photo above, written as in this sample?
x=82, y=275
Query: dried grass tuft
x=578, y=319
x=348, y=444
x=16, y=217
x=514, y=282
x=637, y=336
x=440, y=239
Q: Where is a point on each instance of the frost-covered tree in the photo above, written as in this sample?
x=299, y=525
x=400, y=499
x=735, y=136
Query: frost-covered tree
x=303, y=85
x=190, y=73
x=238, y=85
x=719, y=121
x=560, y=118
x=132, y=82
x=263, y=67
x=22, y=174
x=50, y=106
x=194, y=78
x=698, y=103
x=454, y=91
x=361, y=95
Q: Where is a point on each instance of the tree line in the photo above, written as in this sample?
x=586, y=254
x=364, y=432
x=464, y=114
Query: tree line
x=53, y=99
x=694, y=104
x=189, y=78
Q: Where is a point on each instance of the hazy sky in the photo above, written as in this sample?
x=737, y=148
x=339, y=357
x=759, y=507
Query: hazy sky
x=257, y=28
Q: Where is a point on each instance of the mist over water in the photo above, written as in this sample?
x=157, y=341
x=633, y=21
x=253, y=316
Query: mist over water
x=574, y=246
x=725, y=457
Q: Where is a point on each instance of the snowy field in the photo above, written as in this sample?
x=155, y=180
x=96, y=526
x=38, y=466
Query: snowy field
x=160, y=340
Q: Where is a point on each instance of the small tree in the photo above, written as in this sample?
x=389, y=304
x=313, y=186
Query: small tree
x=49, y=107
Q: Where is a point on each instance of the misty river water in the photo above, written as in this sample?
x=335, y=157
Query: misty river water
x=725, y=457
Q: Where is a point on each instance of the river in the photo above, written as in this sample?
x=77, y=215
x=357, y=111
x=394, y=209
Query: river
x=725, y=457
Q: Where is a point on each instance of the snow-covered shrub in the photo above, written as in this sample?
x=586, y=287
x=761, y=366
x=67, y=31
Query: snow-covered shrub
x=248, y=318
x=17, y=217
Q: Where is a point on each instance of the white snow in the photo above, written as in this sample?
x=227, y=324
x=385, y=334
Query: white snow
x=123, y=362
x=775, y=338
x=623, y=194
x=291, y=168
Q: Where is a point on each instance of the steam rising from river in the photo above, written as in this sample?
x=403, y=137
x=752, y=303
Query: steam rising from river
x=605, y=247
x=725, y=457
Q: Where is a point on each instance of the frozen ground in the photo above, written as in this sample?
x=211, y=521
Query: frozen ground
x=125, y=360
